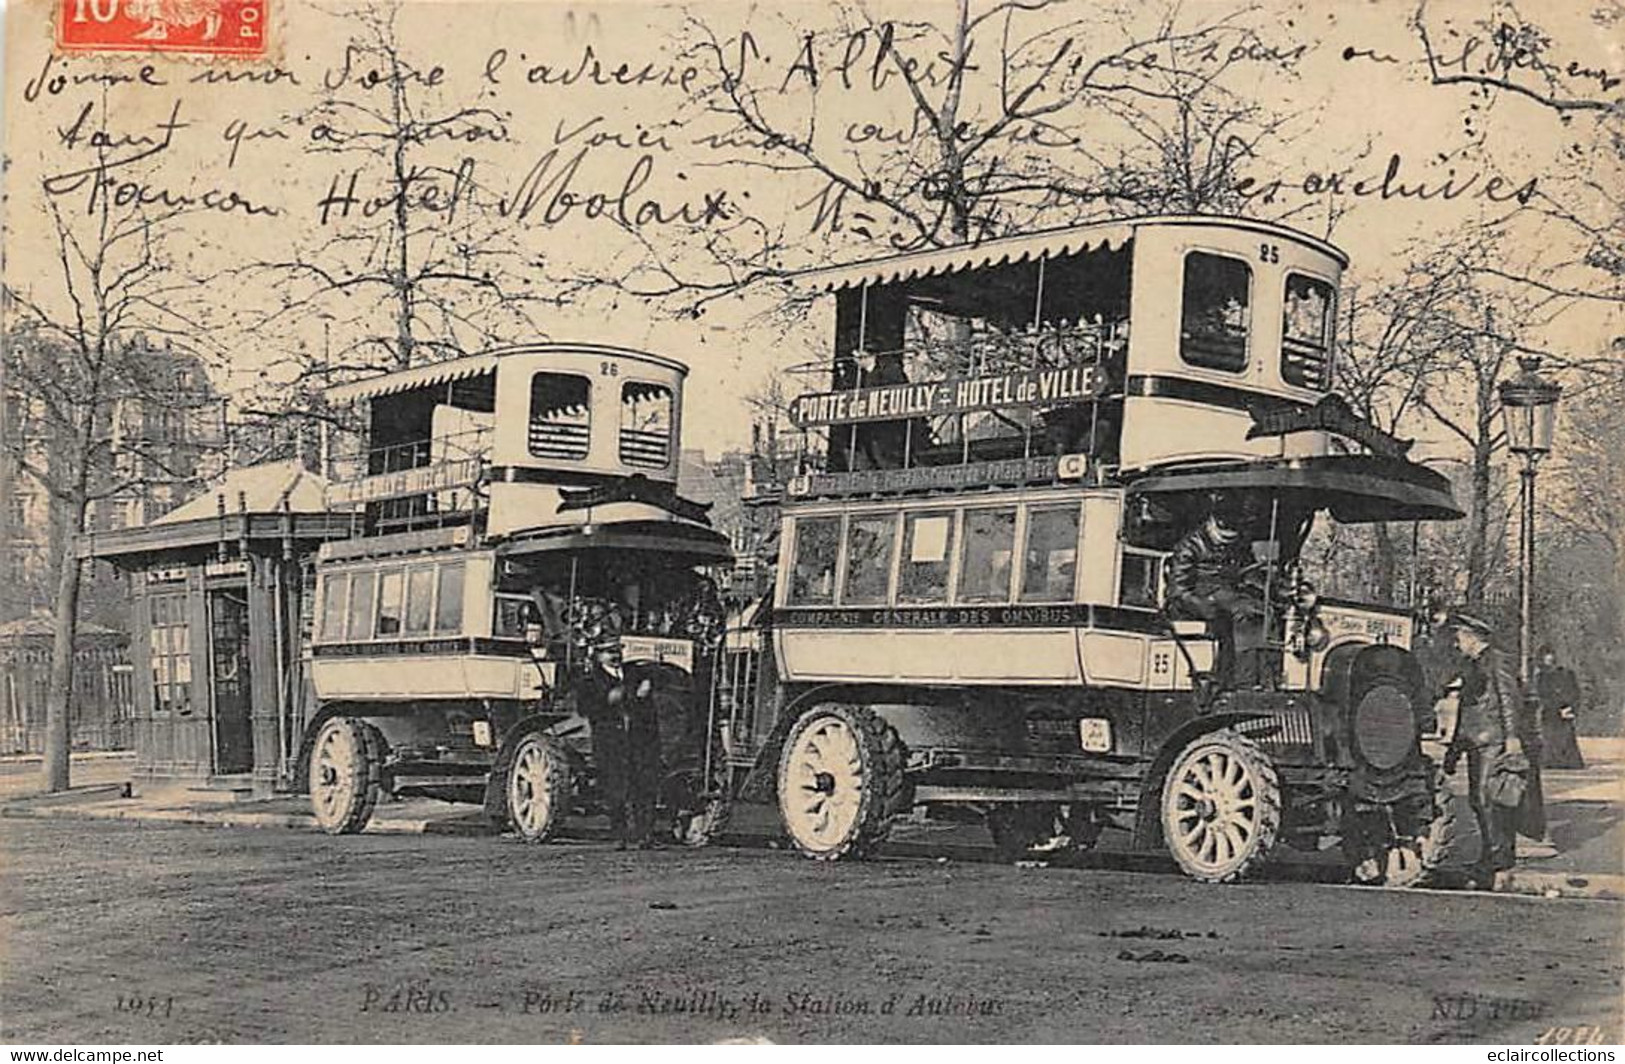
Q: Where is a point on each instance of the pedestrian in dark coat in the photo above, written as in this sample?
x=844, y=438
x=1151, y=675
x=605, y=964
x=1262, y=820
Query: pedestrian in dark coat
x=1487, y=732
x=625, y=737
x=1559, y=695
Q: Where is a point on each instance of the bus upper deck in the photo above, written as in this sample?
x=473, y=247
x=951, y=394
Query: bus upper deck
x=528, y=438
x=1092, y=341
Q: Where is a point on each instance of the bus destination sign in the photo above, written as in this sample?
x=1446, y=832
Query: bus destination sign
x=1039, y=469
x=891, y=402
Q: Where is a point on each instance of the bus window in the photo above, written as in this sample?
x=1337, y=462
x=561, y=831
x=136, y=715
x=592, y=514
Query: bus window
x=448, y=611
x=1141, y=579
x=334, y=591
x=812, y=580
x=391, y=585
x=1306, y=332
x=560, y=422
x=361, y=586
x=928, y=543
x=868, y=559
x=990, y=545
x=645, y=424
x=513, y=612
x=419, y=600
x=1051, y=556
x=1216, y=315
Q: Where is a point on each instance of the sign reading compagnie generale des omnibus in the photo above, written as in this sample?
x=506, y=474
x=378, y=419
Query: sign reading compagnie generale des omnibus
x=889, y=402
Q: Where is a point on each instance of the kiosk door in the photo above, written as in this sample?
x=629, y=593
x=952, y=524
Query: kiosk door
x=228, y=648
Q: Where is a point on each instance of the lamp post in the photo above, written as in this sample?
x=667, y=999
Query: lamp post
x=1529, y=402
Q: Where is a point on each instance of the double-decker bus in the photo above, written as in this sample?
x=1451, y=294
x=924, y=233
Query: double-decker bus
x=1003, y=453
x=514, y=509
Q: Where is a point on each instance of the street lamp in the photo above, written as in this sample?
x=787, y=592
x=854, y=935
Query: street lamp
x=1529, y=402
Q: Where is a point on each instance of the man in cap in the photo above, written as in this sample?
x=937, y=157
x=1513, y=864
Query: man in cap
x=1487, y=732
x=623, y=736
x=1206, y=580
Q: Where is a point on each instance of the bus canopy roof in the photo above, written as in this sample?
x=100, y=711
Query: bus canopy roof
x=1027, y=247
x=1355, y=488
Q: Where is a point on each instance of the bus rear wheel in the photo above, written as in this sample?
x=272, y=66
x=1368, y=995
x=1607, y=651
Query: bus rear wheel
x=841, y=781
x=537, y=787
x=346, y=775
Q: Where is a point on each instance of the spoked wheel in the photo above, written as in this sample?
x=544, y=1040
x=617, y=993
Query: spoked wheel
x=1041, y=831
x=841, y=781
x=538, y=787
x=1221, y=807
x=1412, y=861
x=346, y=775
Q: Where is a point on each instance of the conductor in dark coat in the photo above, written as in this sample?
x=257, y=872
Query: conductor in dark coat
x=625, y=738
x=1487, y=730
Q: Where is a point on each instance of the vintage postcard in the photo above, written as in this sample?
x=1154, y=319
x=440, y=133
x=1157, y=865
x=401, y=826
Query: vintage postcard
x=998, y=521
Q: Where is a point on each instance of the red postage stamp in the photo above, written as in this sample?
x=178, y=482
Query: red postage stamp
x=197, y=27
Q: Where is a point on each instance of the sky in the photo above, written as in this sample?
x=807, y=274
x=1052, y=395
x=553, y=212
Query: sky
x=599, y=99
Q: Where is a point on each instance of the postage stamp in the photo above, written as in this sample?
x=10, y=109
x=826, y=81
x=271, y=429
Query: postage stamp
x=198, y=27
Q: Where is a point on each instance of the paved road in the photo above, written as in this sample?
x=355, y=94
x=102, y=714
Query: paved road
x=231, y=935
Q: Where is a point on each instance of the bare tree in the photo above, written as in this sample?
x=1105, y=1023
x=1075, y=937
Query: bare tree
x=413, y=263
x=1476, y=330
x=989, y=121
x=77, y=357
x=1506, y=60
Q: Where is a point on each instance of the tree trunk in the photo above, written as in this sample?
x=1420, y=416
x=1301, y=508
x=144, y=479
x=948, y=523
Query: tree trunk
x=1478, y=527
x=64, y=633
x=399, y=131
x=1387, y=561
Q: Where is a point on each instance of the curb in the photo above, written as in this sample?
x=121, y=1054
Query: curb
x=1569, y=885
x=37, y=809
x=79, y=757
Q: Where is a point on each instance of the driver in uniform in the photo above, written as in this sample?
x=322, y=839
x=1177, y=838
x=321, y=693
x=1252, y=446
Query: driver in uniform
x=1206, y=581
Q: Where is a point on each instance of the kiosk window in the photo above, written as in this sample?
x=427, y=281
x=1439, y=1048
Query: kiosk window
x=334, y=590
x=171, y=655
x=391, y=585
x=1306, y=332
x=812, y=581
x=419, y=600
x=1142, y=574
x=1217, y=311
x=928, y=543
x=868, y=559
x=560, y=422
x=990, y=547
x=361, y=588
x=448, y=607
x=1052, y=556
x=645, y=424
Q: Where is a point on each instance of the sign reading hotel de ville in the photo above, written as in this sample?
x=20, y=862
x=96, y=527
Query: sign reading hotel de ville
x=1072, y=384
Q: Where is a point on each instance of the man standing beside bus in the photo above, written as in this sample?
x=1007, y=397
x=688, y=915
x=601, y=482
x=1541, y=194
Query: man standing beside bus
x=1487, y=731
x=625, y=740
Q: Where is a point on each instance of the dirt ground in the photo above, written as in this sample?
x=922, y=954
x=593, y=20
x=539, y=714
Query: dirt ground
x=146, y=934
